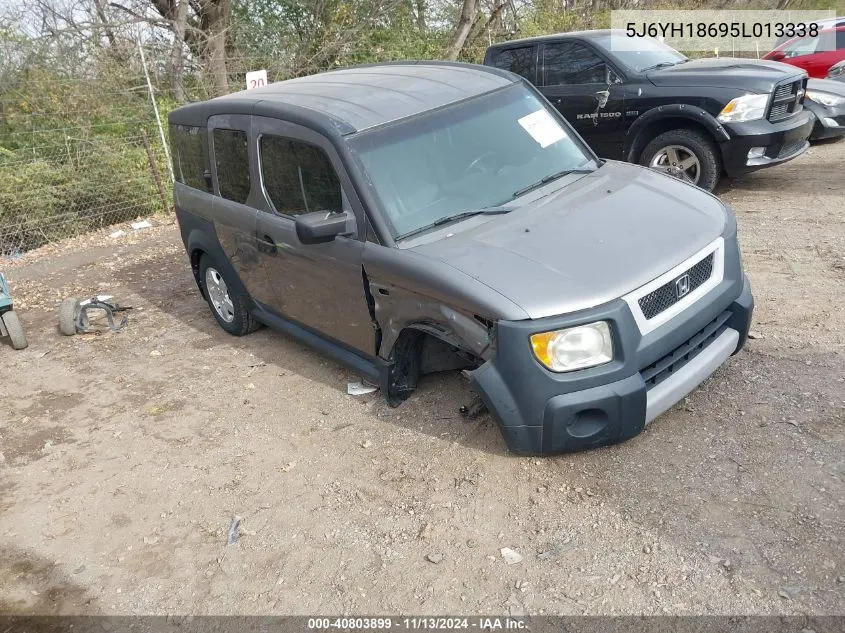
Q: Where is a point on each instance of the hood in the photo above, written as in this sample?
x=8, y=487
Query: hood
x=750, y=75
x=592, y=241
x=826, y=85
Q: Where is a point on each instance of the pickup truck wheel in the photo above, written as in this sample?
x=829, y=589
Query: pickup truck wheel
x=685, y=154
x=227, y=305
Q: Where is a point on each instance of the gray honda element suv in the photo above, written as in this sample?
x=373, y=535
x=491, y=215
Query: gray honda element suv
x=417, y=217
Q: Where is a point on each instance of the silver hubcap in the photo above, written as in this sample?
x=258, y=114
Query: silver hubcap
x=677, y=161
x=218, y=292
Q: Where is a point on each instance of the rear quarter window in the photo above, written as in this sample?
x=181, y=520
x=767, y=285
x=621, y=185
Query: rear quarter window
x=231, y=155
x=189, y=155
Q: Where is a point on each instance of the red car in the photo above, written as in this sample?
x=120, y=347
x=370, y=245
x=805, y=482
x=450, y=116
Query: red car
x=814, y=54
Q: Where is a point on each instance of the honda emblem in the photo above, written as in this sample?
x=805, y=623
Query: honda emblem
x=682, y=286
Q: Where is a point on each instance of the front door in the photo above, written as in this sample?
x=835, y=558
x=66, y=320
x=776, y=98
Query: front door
x=319, y=286
x=587, y=92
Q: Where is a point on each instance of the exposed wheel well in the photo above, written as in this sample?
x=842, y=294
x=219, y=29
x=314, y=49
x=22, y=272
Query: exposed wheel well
x=196, y=255
x=655, y=128
x=418, y=352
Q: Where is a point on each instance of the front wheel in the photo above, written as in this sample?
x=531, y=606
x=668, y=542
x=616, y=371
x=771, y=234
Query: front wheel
x=685, y=154
x=227, y=305
x=14, y=329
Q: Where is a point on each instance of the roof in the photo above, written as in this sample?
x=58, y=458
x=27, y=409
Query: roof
x=360, y=97
x=584, y=35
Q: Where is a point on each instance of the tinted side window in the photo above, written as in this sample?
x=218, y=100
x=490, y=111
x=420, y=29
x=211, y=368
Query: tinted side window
x=232, y=158
x=189, y=155
x=298, y=177
x=516, y=60
x=572, y=63
x=840, y=39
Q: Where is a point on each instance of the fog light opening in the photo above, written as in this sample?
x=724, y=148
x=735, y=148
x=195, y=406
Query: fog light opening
x=756, y=152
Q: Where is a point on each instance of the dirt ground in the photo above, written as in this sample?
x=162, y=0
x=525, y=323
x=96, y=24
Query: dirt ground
x=124, y=457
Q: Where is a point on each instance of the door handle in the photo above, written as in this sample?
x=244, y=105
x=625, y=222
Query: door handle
x=266, y=244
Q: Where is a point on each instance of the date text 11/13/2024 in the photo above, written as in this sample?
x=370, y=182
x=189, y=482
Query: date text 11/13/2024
x=478, y=623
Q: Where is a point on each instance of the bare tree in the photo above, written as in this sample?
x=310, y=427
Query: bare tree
x=469, y=13
x=177, y=52
x=205, y=32
x=420, y=10
x=100, y=10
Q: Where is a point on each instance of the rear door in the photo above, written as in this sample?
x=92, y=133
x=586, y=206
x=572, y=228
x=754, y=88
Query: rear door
x=587, y=91
x=521, y=59
x=232, y=210
x=319, y=286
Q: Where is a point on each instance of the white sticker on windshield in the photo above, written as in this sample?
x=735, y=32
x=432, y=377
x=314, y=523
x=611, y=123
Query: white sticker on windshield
x=542, y=127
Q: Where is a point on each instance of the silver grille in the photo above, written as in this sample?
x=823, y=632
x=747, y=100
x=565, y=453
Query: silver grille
x=787, y=99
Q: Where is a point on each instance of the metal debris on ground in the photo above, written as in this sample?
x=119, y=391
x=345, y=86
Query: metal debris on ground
x=474, y=408
x=511, y=556
x=234, y=530
x=73, y=315
x=358, y=388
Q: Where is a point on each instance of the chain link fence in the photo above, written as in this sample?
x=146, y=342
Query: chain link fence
x=78, y=153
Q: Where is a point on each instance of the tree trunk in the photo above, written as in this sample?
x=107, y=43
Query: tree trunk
x=421, y=15
x=469, y=11
x=176, y=54
x=100, y=8
x=218, y=14
x=495, y=14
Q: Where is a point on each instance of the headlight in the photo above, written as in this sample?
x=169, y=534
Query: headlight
x=745, y=108
x=575, y=347
x=825, y=98
x=837, y=70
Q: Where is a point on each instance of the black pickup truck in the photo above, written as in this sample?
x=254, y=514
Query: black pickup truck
x=649, y=104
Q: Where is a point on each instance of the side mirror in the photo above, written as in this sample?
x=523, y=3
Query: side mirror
x=777, y=56
x=602, y=96
x=318, y=227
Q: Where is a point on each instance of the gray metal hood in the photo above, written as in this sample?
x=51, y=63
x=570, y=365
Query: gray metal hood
x=595, y=239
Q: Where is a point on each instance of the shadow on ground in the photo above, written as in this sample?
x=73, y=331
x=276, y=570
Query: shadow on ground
x=32, y=585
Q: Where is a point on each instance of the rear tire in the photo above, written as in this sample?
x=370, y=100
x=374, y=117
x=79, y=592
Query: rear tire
x=228, y=306
x=15, y=330
x=685, y=154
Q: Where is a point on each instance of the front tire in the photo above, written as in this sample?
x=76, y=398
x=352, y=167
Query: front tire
x=685, y=154
x=228, y=306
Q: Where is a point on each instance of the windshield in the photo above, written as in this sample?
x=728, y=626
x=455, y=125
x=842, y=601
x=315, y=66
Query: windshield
x=640, y=53
x=476, y=154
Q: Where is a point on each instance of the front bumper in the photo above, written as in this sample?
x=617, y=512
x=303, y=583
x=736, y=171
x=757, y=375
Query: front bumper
x=829, y=121
x=782, y=141
x=542, y=413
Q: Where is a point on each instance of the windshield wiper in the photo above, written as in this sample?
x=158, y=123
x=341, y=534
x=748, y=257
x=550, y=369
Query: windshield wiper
x=663, y=65
x=494, y=210
x=547, y=179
